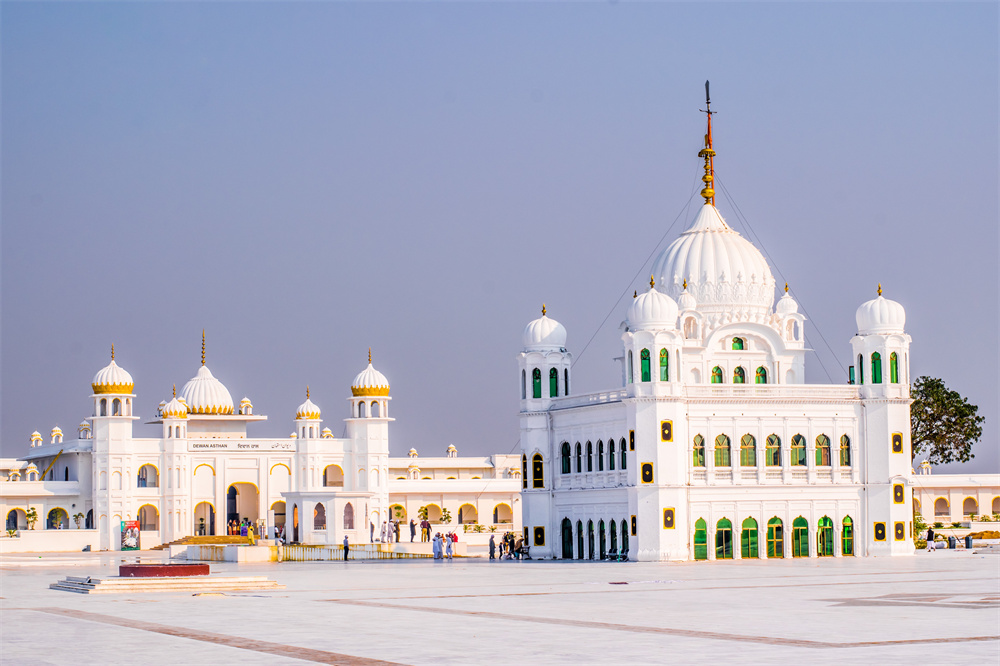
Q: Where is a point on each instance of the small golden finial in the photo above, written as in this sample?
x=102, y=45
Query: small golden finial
x=543, y=309
x=786, y=287
x=369, y=356
x=685, y=284
x=203, y=346
x=307, y=389
x=879, y=288
x=652, y=282
x=174, y=392
x=635, y=294
x=708, y=193
x=112, y=351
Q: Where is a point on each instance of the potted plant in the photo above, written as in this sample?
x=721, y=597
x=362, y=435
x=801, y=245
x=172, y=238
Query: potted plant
x=77, y=517
x=12, y=533
x=31, y=517
x=445, y=516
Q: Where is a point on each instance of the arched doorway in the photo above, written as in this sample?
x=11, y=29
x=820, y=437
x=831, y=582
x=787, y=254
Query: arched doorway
x=579, y=539
x=295, y=523
x=724, y=540
x=279, y=517
x=16, y=520
x=590, y=539
x=601, y=540
x=824, y=537
x=567, y=539
x=748, y=539
x=57, y=519
x=242, y=501
x=467, y=514
x=319, y=517
x=204, y=519
x=775, y=538
x=800, y=537
x=700, y=539
x=88, y=522
x=149, y=518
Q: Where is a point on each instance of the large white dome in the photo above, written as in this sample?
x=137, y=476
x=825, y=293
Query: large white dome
x=112, y=379
x=880, y=316
x=370, y=382
x=652, y=309
x=544, y=334
x=204, y=394
x=724, y=271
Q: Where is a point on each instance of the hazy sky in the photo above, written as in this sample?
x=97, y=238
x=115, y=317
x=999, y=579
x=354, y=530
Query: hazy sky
x=306, y=180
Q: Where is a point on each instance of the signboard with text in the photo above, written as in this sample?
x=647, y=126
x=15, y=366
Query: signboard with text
x=130, y=535
x=240, y=445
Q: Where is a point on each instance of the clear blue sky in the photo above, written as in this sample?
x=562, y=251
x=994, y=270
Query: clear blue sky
x=306, y=180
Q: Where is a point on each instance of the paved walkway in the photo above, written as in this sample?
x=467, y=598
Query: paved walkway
x=930, y=608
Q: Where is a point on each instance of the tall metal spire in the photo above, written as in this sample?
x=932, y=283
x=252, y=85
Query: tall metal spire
x=708, y=192
x=112, y=351
x=203, y=346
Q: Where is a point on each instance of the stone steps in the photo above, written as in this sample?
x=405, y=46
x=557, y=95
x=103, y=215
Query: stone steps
x=117, y=585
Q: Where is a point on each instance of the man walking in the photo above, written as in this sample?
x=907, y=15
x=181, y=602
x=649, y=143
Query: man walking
x=347, y=546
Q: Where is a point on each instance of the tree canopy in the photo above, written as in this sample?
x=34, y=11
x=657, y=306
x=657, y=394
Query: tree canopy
x=943, y=424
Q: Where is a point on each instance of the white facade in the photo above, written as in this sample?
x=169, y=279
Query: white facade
x=712, y=434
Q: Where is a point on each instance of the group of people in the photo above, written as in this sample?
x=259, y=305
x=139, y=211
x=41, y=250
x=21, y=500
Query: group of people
x=241, y=528
x=444, y=545
x=388, y=533
x=511, y=547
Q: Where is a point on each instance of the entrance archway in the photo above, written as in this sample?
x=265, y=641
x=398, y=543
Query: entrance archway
x=204, y=519
x=242, y=501
x=295, y=523
x=16, y=520
x=57, y=519
x=567, y=539
x=279, y=517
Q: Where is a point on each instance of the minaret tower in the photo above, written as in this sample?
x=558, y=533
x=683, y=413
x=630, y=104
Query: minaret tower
x=368, y=430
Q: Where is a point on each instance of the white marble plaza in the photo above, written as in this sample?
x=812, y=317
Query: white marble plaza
x=931, y=608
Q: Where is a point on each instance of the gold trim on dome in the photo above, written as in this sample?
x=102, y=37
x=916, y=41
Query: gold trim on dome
x=369, y=391
x=112, y=388
x=307, y=416
x=212, y=410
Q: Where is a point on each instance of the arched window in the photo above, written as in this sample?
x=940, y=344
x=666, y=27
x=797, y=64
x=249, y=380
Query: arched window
x=664, y=365
x=893, y=368
x=601, y=540
x=845, y=451
x=567, y=539
x=361, y=410
x=536, y=383
x=699, y=451
x=524, y=471
x=579, y=540
x=566, y=381
x=876, y=368
x=579, y=458
x=722, y=454
x=724, y=540
x=349, y=516
x=861, y=369
x=700, y=539
x=748, y=451
x=565, y=458
x=147, y=477
x=149, y=518
x=630, y=367
x=611, y=455
x=590, y=539
x=716, y=375
x=319, y=517
x=624, y=552
x=644, y=372
x=690, y=328
x=941, y=508
x=104, y=406
x=772, y=451
x=600, y=456
x=613, y=533
x=621, y=454
x=847, y=537
x=970, y=506
x=739, y=375
x=374, y=411
x=748, y=539
x=800, y=537
x=553, y=383
x=524, y=385
x=116, y=407
x=775, y=538
x=824, y=537
x=798, y=451
x=995, y=508
x=738, y=344
x=761, y=377
x=537, y=471
x=590, y=457
x=823, y=451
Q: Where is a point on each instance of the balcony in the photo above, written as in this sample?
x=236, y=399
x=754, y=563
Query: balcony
x=17, y=489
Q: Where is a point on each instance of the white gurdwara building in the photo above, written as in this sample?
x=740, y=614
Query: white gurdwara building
x=714, y=447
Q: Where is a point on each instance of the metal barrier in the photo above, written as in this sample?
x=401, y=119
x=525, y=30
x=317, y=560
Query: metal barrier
x=332, y=552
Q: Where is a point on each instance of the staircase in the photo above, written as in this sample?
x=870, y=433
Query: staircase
x=204, y=541
x=117, y=585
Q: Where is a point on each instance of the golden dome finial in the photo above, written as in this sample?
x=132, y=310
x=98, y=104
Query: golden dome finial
x=635, y=294
x=307, y=390
x=685, y=284
x=112, y=351
x=174, y=391
x=543, y=309
x=786, y=287
x=203, y=346
x=708, y=193
x=369, y=356
x=652, y=282
x=879, y=288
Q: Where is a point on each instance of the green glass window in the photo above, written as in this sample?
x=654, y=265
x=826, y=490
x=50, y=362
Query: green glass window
x=600, y=456
x=893, y=368
x=724, y=540
x=565, y=458
x=579, y=458
x=798, y=451
x=738, y=344
x=761, y=377
x=876, y=368
x=536, y=383
x=611, y=454
x=644, y=372
x=850, y=375
x=722, y=458
x=845, y=451
x=748, y=451
x=524, y=471
x=739, y=375
x=590, y=457
x=664, y=365
x=748, y=539
x=553, y=383
x=823, y=451
x=800, y=537
x=861, y=369
x=716, y=375
x=700, y=540
x=621, y=448
x=699, y=451
x=847, y=537
x=601, y=540
x=630, y=367
x=772, y=451
x=775, y=538
x=537, y=471
x=567, y=539
x=824, y=537
x=624, y=536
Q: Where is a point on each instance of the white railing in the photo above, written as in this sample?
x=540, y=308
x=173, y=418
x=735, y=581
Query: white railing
x=796, y=391
x=330, y=552
x=585, y=399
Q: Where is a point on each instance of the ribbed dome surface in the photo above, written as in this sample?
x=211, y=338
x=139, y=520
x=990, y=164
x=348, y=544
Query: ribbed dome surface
x=175, y=409
x=307, y=410
x=544, y=334
x=204, y=394
x=880, y=316
x=786, y=305
x=724, y=271
x=370, y=382
x=112, y=379
x=652, y=310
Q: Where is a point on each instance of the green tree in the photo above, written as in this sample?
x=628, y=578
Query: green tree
x=31, y=517
x=445, y=516
x=422, y=512
x=943, y=425
x=77, y=518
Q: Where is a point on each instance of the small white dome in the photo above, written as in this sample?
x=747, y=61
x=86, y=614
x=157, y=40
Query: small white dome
x=544, y=334
x=175, y=409
x=31, y=467
x=36, y=437
x=112, y=379
x=56, y=431
x=786, y=304
x=652, y=309
x=880, y=316
x=307, y=410
x=413, y=453
x=204, y=394
x=686, y=301
x=326, y=433
x=370, y=382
